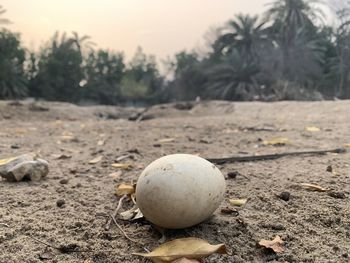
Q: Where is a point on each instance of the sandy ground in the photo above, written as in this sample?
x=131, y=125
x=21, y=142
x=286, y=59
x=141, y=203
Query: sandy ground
x=314, y=225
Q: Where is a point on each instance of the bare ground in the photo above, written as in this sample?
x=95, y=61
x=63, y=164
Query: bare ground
x=314, y=225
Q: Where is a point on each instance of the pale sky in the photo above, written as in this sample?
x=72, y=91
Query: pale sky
x=160, y=27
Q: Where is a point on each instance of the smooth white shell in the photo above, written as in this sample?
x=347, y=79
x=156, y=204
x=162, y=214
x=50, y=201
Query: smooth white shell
x=179, y=190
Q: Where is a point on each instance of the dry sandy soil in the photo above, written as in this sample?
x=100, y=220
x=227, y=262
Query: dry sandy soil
x=314, y=225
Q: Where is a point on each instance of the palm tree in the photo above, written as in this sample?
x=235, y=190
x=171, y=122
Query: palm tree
x=294, y=30
x=83, y=43
x=244, y=33
x=342, y=63
x=234, y=79
x=3, y=20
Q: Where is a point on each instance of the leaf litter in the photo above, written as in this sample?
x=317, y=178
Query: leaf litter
x=276, y=244
x=189, y=248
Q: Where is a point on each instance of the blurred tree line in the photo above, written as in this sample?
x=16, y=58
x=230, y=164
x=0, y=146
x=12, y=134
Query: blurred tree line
x=289, y=52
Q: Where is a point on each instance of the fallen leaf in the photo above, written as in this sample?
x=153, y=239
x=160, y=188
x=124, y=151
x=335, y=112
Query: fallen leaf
x=96, y=160
x=20, y=131
x=275, y=245
x=7, y=160
x=166, y=140
x=189, y=248
x=335, y=173
x=101, y=142
x=278, y=141
x=125, y=189
x=315, y=187
x=186, y=260
x=132, y=214
x=124, y=166
x=312, y=129
x=238, y=202
x=116, y=175
x=67, y=138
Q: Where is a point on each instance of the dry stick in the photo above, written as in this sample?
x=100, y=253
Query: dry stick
x=119, y=206
x=121, y=229
x=61, y=250
x=254, y=158
x=3, y=224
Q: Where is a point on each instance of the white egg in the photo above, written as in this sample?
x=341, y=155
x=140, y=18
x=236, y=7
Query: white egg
x=179, y=191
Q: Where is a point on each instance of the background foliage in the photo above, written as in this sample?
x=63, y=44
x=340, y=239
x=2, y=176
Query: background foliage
x=287, y=53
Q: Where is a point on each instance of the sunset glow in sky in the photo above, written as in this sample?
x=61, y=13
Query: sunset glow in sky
x=160, y=27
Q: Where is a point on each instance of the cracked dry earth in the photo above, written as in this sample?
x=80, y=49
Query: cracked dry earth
x=72, y=205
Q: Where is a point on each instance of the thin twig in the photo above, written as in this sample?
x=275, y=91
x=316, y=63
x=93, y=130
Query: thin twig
x=254, y=158
x=44, y=243
x=3, y=224
x=122, y=230
x=119, y=206
x=64, y=250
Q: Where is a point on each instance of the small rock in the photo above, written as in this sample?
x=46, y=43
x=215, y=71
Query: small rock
x=278, y=227
x=15, y=146
x=46, y=255
x=64, y=181
x=26, y=166
x=329, y=169
x=285, y=196
x=232, y=175
x=60, y=202
x=229, y=211
x=338, y=195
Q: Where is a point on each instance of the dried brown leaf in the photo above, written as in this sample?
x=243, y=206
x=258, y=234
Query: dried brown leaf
x=116, y=175
x=190, y=248
x=124, y=166
x=312, y=129
x=186, y=260
x=101, y=142
x=276, y=245
x=96, y=160
x=7, y=160
x=238, y=202
x=314, y=187
x=132, y=214
x=125, y=189
x=166, y=140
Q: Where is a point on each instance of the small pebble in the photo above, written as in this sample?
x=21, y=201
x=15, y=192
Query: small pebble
x=285, y=196
x=329, y=169
x=232, y=175
x=64, y=181
x=338, y=195
x=60, y=202
x=15, y=146
x=278, y=227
